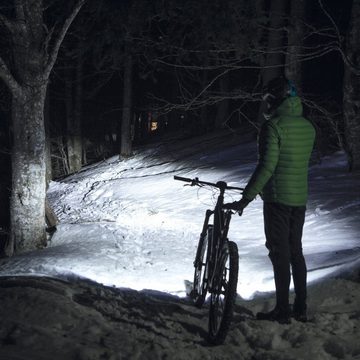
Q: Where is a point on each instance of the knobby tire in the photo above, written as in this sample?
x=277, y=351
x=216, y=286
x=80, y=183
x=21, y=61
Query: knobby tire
x=201, y=269
x=223, y=294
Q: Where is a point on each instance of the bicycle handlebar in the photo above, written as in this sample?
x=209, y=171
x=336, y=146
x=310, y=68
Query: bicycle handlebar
x=219, y=184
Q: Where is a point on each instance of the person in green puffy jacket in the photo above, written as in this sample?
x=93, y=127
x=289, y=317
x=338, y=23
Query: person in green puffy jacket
x=285, y=145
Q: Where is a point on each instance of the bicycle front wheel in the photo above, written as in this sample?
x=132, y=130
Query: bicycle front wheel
x=202, y=268
x=223, y=293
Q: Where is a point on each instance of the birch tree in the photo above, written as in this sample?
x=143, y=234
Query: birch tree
x=25, y=66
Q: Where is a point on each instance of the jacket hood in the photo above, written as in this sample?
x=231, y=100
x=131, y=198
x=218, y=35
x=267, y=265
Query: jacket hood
x=290, y=106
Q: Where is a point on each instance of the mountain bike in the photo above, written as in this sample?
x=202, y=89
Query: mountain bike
x=216, y=264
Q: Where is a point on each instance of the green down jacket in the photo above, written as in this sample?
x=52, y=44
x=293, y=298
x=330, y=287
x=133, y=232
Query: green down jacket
x=285, y=145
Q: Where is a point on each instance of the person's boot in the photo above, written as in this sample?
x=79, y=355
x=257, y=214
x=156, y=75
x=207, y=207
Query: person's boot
x=299, y=312
x=281, y=316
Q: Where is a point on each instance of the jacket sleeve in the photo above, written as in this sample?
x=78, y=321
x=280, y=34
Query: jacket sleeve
x=269, y=148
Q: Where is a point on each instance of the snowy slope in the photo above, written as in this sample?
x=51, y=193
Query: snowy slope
x=128, y=224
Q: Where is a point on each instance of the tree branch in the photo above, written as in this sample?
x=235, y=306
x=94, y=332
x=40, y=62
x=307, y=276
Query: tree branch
x=353, y=68
x=7, y=77
x=336, y=29
x=61, y=35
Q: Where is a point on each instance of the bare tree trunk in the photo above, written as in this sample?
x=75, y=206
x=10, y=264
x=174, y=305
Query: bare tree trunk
x=274, y=64
x=351, y=90
x=295, y=42
x=78, y=109
x=275, y=57
x=27, y=208
x=69, y=107
x=49, y=175
x=74, y=98
x=25, y=68
x=261, y=34
x=126, y=141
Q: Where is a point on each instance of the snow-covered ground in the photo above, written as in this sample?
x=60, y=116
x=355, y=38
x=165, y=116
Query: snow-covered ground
x=128, y=224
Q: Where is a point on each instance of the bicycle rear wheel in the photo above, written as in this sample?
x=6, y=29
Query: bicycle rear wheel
x=223, y=293
x=201, y=268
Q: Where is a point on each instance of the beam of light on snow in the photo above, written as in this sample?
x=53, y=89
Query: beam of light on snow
x=129, y=224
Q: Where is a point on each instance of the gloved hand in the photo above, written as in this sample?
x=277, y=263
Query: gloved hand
x=237, y=206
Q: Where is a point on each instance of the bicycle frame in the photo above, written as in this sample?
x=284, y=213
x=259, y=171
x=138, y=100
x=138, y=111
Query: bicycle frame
x=219, y=236
x=220, y=228
x=217, y=271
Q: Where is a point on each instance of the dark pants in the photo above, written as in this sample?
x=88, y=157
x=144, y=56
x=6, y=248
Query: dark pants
x=283, y=230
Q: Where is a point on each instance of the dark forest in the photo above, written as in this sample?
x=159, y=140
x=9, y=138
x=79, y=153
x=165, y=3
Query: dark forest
x=86, y=80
